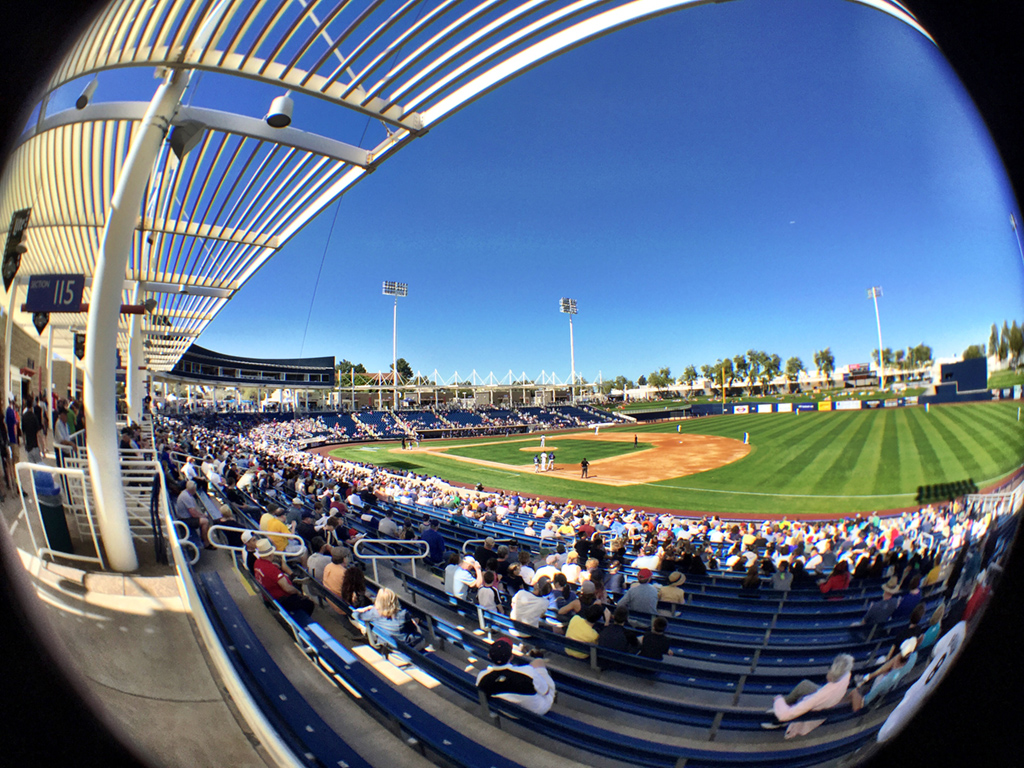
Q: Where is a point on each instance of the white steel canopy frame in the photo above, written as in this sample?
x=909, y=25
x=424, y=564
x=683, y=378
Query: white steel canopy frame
x=142, y=218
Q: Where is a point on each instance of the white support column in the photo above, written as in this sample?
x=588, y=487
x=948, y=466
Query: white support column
x=49, y=376
x=104, y=312
x=136, y=359
x=9, y=337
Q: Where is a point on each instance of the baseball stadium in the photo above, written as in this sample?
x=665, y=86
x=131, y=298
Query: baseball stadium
x=289, y=548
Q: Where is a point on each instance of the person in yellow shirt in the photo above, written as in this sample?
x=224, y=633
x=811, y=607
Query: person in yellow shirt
x=273, y=522
x=581, y=628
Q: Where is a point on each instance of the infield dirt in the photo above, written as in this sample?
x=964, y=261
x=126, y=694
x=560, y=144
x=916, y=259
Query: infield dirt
x=671, y=455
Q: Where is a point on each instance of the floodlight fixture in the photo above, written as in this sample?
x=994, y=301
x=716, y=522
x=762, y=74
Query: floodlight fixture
x=874, y=292
x=568, y=307
x=83, y=101
x=396, y=289
x=280, y=113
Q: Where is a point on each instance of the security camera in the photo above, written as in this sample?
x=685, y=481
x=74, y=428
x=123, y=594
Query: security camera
x=280, y=114
x=90, y=89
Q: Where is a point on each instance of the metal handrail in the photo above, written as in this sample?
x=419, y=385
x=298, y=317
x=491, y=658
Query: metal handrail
x=65, y=475
x=181, y=538
x=374, y=558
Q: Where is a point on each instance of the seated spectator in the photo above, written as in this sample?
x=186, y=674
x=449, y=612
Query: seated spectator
x=334, y=572
x=526, y=572
x=641, y=596
x=752, y=581
x=782, y=579
x=617, y=636
x=880, y=611
x=914, y=629
x=276, y=582
x=469, y=576
x=581, y=628
x=886, y=677
x=487, y=594
x=186, y=509
x=572, y=568
x=672, y=592
x=274, y=522
x=249, y=541
x=529, y=686
x=233, y=537
x=809, y=697
x=837, y=582
x=432, y=535
x=353, y=588
x=320, y=556
x=549, y=569
x=910, y=600
x=528, y=607
x=387, y=615
x=450, y=571
x=655, y=643
x=931, y=634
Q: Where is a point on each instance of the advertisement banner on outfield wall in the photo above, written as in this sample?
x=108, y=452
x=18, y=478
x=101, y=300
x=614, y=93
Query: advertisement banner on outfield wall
x=912, y=400
x=825, y=405
x=741, y=409
x=785, y=408
x=872, y=404
x=1016, y=391
x=848, y=405
x=807, y=407
x=764, y=408
x=892, y=403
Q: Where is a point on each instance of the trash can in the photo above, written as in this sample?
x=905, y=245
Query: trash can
x=51, y=510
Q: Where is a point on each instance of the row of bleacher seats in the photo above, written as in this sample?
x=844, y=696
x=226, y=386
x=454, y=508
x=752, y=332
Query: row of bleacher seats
x=720, y=661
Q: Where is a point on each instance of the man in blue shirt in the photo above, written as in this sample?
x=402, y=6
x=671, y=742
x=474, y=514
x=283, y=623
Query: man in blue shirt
x=467, y=577
x=436, y=542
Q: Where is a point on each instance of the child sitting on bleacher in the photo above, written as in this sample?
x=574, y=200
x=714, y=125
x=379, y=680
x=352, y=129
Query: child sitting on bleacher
x=487, y=595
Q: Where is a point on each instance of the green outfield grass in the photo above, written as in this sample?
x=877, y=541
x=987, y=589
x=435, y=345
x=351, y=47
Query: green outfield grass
x=808, y=463
x=566, y=451
x=1005, y=379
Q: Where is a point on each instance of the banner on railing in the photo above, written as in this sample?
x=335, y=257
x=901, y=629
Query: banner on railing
x=785, y=407
x=847, y=405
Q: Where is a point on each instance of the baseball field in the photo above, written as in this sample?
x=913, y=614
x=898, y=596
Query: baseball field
x=814, y=463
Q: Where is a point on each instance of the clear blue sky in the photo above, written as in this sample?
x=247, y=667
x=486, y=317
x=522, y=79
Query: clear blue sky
x=726, y=177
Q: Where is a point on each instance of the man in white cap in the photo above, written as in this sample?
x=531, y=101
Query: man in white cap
x=887, y=676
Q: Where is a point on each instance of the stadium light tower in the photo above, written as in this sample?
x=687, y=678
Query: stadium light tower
x=391, y=288
x=568, y=307
x=873, y=293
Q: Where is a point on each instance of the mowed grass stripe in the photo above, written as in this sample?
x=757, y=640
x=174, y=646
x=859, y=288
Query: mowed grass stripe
x=834, y=464
x=975, y=458
x=911, y=465
x=989, y=439
x=964, y=454
x=876, y=463
x=936, y=467
x=1000, y=422
x=808, y=449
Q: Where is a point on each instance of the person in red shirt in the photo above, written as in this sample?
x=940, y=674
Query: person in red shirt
x=276, y=582
x=837, y=582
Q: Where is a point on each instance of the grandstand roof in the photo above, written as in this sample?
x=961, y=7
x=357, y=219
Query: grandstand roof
x=212, y=217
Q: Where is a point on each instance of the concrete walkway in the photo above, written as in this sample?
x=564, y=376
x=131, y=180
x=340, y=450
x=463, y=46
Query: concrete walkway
x=127, y=642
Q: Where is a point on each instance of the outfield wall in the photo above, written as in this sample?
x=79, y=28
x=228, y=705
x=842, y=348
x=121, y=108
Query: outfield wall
x=945, y=394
